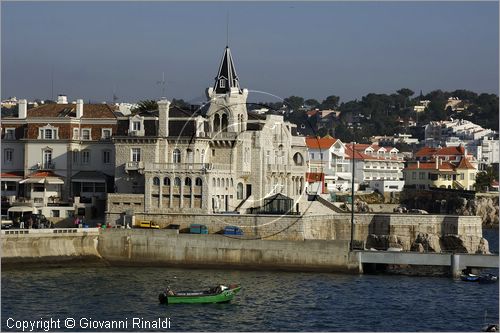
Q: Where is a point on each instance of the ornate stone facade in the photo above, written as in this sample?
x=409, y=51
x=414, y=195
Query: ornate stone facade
x=219, y=158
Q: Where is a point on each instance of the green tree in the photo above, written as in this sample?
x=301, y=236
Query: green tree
x=311, y=103
x=180, y=103
x=294, y=102
x=331, y=102
x=485, y=178
x=406, y=93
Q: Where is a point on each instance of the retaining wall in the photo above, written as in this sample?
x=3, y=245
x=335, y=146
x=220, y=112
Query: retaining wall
x=165, y=247
x=49, y=245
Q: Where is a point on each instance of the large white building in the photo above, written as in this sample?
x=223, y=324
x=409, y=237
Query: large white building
x=482, y=143
x=219, y=158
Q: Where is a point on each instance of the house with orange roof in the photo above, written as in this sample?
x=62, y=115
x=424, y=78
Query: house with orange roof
x=326, y=156
x=441, y=173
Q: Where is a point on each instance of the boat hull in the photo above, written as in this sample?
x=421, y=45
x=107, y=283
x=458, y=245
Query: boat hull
x=223, y=297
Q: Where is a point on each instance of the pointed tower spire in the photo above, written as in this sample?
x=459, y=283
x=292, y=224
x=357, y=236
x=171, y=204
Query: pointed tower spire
x=226, y=77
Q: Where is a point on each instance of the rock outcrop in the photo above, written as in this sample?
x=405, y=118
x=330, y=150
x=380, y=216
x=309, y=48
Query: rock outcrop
x=426, y=242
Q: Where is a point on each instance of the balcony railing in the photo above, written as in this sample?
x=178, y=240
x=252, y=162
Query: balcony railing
x=178, y=166
x=45, y=166
x=134, y=165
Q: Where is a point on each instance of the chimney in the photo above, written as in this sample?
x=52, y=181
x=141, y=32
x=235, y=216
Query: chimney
x=62, y=99
x=437, y=162
x=418, y=164
x=79, y=108
x=23, y=109
x=163, y=110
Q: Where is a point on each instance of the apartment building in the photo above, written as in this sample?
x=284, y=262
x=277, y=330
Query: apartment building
x=59, y=157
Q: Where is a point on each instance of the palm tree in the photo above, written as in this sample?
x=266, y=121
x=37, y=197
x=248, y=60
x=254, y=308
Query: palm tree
x=145, y=105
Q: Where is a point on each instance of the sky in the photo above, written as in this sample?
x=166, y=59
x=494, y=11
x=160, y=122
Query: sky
x=91, y=50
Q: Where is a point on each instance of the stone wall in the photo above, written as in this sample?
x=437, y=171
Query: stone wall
x=163, y=247
x=405, y=229
x=49, y=245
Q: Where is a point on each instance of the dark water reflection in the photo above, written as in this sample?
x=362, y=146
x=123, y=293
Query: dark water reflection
x=269, y=301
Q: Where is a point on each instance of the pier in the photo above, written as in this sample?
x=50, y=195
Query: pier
x=456, y=261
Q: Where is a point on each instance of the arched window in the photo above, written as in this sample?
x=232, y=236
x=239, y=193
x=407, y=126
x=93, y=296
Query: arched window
x=166, y=181
x=214, y=184
x=187, y=181
x=177, y=181
x=298, y=159
x=202, y=156
x=176, y=156
x=218, y=182
x=222, y=183
x=198, y=182
x=216, y=122
x=239, y=191
x=224, y=122
x=190, y=157
x=156, y=181
x=232, y=184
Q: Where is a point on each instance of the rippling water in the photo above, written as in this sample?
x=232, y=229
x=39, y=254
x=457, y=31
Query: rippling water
x=269, y=301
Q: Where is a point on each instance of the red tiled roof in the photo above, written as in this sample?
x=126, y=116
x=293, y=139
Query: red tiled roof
x=426, y=151
x=43, y=174
x=12, y=174
x=320, y=143
x=69, y=110
x=465, y=164
x=312, y=177
x=360, y=155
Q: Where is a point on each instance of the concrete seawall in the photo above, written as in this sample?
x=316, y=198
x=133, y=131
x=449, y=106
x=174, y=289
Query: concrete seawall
x=49, y=246
x=166, y=247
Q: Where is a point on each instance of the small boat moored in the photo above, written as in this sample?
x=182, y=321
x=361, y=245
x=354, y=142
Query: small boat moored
x=218, y=294
x=469, y=277
x=488, y=278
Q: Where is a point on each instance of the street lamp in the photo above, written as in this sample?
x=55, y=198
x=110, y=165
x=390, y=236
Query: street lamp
x=351, y=247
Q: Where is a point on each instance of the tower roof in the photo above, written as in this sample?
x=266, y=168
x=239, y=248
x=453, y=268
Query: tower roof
x=226, y=77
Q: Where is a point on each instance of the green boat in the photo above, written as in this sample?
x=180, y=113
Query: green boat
x=219, y=294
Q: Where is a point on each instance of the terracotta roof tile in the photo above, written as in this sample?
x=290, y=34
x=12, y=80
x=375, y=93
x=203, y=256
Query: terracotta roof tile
x=320, y=143
x=465, y=164
x=69, y=110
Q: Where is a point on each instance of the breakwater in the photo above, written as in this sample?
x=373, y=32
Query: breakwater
x=42, y=246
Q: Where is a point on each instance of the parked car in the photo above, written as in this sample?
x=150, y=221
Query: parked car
x=147, y=225
x=198, y=229
x=233, y=230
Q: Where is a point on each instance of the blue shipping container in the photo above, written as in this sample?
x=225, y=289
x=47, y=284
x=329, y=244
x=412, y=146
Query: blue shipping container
x=232, y=230
x=198, y=229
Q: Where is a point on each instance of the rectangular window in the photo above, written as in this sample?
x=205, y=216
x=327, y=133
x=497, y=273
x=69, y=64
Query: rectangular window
x=7, y=155
x=10, y=134
x=136, y=154
x=462, y=176
x=106, y=156
x=75, y=134
x=47, y=159
x=413, y=175
x=48, y=134
x=222, y=83
x=312, y=156
x=88, y=187
x=421, y=175
x=99, y=187
x=75, y=156
x=86, y=134
x=136, y=126
x=213, y=152
x=85, y=156
x=106, y=133
x=472, y=176
x=321, y=156
x=55, y=213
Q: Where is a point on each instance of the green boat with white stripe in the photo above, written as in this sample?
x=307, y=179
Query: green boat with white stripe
x=219, y=294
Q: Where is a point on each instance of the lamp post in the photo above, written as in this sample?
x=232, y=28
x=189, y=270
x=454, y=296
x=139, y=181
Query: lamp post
x=351, y=247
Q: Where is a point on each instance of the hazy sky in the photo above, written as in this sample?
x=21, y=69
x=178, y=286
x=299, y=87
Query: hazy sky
x=284, y=48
